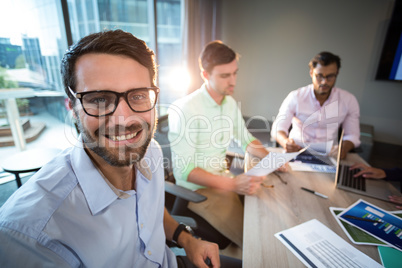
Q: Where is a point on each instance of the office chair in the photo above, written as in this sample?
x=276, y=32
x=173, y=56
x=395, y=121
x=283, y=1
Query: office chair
x=177, y=197
x=260, y=128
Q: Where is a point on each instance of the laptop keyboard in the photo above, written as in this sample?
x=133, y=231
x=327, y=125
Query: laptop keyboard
x=348, y=180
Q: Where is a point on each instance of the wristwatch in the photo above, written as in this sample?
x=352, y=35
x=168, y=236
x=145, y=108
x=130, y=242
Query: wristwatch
x=182, y=227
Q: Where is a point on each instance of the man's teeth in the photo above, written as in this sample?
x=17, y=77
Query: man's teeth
x=124, y=137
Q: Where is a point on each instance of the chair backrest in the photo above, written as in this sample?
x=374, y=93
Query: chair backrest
x=161, y=136
x=260, y=128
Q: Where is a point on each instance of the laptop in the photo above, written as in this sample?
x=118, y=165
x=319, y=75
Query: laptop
x=375, y=188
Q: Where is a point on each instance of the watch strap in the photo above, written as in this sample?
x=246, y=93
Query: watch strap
x=178, y=231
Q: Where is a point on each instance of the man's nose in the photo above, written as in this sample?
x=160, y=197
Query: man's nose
x=233, y=79
x=123, y=109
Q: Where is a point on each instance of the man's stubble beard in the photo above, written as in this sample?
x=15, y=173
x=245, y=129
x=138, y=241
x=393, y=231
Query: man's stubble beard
x=112, y=156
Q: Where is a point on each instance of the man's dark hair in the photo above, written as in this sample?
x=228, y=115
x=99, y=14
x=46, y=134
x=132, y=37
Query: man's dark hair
x=216, y=53
x=114, y=42
x=325, y=58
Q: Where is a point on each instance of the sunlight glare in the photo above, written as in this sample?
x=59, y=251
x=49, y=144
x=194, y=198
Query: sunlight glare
x=179, y=80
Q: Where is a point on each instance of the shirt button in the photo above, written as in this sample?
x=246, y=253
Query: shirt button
x=149, y=253
x=142, y=225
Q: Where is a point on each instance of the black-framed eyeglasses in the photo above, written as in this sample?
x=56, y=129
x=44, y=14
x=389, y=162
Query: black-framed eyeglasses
x=329, y=77
x=104, y=102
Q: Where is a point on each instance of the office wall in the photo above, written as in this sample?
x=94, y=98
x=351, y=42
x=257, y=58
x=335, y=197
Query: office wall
x=276, y=40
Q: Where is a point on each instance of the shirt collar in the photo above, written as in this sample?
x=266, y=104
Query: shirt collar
x=333, y=92
x=144, y=169
x=208, y=98
x=98, y=191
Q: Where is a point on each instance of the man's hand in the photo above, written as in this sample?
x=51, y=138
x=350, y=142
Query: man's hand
x=288, y=144
x=369, y=172
x=376, y=173
x=198, y=251
x=291, y=146
x=284, y=168
x=247, y=185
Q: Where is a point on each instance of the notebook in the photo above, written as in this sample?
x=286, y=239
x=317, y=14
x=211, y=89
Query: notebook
x=344, y=180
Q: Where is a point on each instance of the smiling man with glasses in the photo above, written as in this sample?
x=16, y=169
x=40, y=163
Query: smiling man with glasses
x=100, y=203
x=317, y=111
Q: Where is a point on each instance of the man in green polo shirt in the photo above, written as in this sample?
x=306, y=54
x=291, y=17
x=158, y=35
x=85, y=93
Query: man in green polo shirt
x=201, y=126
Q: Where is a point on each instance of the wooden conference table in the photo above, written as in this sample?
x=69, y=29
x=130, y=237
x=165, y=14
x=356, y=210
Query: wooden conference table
x=276, y=209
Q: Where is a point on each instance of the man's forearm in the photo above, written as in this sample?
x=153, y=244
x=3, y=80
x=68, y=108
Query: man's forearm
x=257, y=149
x=170, y=226
x=204, y=178
x=197, y=250
x=347, y=146
x=282, y=138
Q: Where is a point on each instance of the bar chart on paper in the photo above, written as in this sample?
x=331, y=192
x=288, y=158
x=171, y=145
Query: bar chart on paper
x=375, y=221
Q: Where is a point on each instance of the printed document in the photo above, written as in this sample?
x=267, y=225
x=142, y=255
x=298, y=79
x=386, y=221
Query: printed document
x=317, y=246
x=272, y=162
x=356, y=235
x=379, y=223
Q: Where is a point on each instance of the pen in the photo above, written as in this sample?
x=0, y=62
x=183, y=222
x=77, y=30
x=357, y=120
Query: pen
x=361, y=219
x=280, y=178
x=314, y=192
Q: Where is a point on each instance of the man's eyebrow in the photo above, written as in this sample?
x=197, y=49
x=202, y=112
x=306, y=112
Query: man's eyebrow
x=327, y=74
x=230, y=73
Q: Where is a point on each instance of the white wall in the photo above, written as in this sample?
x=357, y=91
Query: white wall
x=276, y=40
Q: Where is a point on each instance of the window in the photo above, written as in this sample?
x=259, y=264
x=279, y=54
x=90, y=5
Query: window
x=138, y=18
x=34, y=41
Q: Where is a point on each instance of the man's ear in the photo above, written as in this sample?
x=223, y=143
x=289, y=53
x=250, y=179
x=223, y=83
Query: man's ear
x=70, y=107
x=311, y=72
x=205, y=75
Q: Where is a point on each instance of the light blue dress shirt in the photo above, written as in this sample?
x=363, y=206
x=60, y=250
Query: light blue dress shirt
x=67, y=215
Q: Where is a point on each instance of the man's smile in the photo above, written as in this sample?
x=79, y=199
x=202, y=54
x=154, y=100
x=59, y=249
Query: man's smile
x=123, y=137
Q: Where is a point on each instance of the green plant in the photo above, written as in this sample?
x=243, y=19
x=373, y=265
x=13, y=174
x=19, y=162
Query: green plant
x=5, y=82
